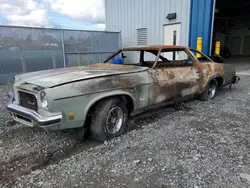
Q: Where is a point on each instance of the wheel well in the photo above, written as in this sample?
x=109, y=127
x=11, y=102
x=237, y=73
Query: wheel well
x=129, y=102
x=126, y=98
x=219, y=81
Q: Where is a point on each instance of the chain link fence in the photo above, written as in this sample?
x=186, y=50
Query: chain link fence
x=25, y=49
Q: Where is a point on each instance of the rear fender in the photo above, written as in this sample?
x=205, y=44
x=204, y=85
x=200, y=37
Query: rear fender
x=211, y=78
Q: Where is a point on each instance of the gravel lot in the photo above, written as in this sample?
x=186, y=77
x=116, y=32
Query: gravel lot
x=193, y=144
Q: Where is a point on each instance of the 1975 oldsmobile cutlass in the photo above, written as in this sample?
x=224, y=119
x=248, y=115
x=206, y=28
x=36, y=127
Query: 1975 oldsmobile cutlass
x=128, y=82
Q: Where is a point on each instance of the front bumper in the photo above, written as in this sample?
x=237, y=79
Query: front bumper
x=31, y=118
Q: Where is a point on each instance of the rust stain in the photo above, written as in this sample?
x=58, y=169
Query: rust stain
x=110, y=66
x=218, y=68
x=207, y=70
x=171, y=75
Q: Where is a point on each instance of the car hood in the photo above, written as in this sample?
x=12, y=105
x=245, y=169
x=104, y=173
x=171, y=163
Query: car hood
x=56, y=77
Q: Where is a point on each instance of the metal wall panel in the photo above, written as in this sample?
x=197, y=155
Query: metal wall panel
x=129, y=15
x=201, y=22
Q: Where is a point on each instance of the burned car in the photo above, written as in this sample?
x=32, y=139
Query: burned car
x=101, y=97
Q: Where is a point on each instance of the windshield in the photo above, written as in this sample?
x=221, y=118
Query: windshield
x=126, y=58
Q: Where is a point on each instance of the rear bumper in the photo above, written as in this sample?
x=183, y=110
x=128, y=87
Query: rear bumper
x=31, y=118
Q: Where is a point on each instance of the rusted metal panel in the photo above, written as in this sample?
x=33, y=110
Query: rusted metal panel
x=154, y=47
x=173, y=83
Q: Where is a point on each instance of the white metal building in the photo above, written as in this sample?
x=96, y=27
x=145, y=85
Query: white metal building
x=144, y=22
x=148, y=22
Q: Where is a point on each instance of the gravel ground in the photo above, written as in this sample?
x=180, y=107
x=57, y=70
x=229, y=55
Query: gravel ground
x=23, y=149
x=193, y=144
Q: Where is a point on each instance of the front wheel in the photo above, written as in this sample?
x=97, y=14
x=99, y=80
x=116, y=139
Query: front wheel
x=210, y=91
x=109, y=119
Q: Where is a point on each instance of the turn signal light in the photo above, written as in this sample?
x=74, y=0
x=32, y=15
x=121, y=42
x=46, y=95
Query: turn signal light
x=71, y=115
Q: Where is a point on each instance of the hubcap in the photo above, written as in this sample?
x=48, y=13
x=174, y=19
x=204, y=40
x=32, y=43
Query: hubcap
x=211, y=90
x=114, y=120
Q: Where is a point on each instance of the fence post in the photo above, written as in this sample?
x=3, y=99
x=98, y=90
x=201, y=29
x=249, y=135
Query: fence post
x=88, y=58
x=54, y=61
x=23, y=62
x=78, y=60
x=63, y=50
x=100, y=57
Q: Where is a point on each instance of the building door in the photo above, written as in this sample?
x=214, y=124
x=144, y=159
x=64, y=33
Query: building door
x=235, y=45
x=246, y=48
x=172, y=37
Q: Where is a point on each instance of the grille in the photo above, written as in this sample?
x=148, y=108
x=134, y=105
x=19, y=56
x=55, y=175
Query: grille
x=28, y=100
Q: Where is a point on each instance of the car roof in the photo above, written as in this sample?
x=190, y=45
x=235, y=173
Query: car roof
x=153, y=47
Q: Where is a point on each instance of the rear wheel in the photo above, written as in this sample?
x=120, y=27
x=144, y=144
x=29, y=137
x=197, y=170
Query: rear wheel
x=210, y=91
x=109, y=119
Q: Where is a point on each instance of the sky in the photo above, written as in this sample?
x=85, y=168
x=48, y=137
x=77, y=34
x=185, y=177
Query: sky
x=66, y=14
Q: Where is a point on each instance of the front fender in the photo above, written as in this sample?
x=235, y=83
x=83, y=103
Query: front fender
x=80, y=106
x=97, y=97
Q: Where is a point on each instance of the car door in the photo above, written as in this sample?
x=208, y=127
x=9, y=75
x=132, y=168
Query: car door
x=173, y=80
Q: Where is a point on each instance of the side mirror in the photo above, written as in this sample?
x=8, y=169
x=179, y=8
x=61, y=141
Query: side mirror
x=123, y=56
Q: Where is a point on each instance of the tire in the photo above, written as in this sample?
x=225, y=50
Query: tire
x=210, y=91
x=109, y=119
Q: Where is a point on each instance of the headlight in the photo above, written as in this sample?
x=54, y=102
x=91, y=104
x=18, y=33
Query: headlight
x=44, y=99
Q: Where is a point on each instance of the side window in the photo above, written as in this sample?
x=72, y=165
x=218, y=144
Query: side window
x=175, y=55
x=126, y=58
x=131, y=57
x=150, y=56
x=174, y=58
x=202, y=58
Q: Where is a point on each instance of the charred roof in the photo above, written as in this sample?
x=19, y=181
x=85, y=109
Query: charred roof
x=154, y=47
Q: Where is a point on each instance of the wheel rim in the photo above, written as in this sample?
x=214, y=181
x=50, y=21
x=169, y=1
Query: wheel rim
x=211, y=90
x=114, y=120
